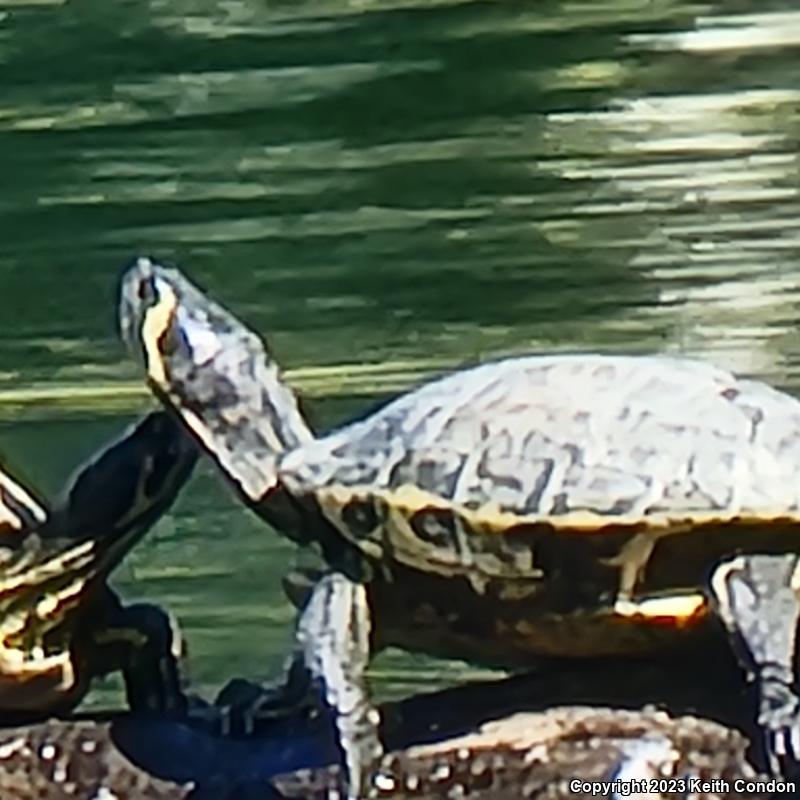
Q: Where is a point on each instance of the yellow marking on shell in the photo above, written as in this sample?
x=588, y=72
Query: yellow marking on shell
x=17, y=666
x=12, y=561
x=676, y=608
x=73, y=560
x=16, y=661
x=23, y=659
x=64, y=662
x=490, y=518
x=403, y=502
x=155, y=324
x=395, y=537
x=52, y=602
x=650, y=610
x=332, y=501
x=47, y=606
x=23, y=498
x=404, y=546
x=49, y=612
x=13, y=623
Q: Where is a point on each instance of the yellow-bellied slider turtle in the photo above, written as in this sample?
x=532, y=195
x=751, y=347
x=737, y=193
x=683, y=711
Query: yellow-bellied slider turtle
x=60, y=623
x=568, y=505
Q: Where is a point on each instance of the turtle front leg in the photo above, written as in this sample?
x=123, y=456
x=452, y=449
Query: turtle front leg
x=325, y=676
x=757, y=600
x=333, y=635
x=144, y=642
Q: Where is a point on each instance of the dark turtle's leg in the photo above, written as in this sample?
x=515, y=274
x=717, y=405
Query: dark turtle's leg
x=144, y=642
x=757, y=600
x=242, y=704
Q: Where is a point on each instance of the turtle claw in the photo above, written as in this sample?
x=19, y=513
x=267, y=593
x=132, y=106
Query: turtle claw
x=781, y=747
x=780, y=721
x=783, y=751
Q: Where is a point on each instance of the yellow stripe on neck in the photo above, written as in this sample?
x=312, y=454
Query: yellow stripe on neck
x=155, y=324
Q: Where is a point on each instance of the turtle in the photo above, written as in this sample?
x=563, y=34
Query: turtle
x=60, y=622
x=573, y=504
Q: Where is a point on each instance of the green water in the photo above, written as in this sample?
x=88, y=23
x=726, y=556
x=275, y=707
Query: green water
x=386, y=189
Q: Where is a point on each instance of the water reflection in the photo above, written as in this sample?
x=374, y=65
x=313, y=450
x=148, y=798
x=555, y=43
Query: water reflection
x=710, y=172
x=388, y=189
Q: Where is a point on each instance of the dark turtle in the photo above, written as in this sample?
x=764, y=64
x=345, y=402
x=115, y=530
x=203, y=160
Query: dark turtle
x=60, y=623
x=570, y=505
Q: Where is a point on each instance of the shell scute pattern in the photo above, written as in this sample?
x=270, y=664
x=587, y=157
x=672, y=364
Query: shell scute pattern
x=547, y=436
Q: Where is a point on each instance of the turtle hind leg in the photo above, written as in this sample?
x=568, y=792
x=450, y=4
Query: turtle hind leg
x=757, y=600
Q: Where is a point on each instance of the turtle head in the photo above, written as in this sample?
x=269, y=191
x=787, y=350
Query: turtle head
x=163, y=318
x=213, y=372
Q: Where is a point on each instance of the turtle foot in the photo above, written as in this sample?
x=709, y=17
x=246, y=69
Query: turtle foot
x=779, y=718
x=245, y=707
